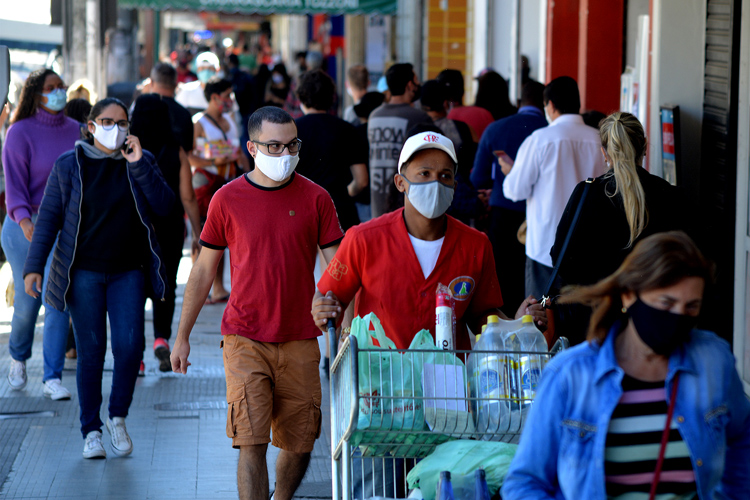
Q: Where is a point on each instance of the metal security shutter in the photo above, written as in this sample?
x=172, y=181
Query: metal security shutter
x=718, y=175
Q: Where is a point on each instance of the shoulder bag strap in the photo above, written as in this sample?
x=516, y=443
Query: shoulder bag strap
x=217, y=125
x=664, y=438
x=546, y=302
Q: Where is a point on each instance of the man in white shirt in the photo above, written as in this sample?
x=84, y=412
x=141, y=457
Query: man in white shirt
x=190, y=95
x=549, y=164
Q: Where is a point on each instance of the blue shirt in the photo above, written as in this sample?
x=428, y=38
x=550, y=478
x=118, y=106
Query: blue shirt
x=561, y=453
x=506, y=135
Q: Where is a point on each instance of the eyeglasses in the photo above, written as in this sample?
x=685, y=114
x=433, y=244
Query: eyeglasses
x=277, y=149
x=109, y=123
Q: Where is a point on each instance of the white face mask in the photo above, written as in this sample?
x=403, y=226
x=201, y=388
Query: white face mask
x=112, y=139
x=431, y=199
x=276, y=168
x=546, y=115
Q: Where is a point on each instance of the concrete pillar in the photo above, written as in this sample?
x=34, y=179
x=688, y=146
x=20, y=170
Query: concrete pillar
x=74, y=36
x=354, y=41
x=409, y=31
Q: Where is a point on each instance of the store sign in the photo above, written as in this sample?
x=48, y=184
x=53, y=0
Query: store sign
x=670, y=137
x=270, y=6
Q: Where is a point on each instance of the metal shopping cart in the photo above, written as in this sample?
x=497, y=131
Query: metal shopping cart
x=391, y=408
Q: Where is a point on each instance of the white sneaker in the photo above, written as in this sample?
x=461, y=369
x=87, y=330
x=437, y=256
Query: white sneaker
x=54, y=390
x=93, y=447
x=17, y=375
x=121, y=443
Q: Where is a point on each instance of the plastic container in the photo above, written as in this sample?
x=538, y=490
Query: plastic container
x=488, y=382
x=444, y=321
x=481, y=491
x=444, y=487
x=530, y=339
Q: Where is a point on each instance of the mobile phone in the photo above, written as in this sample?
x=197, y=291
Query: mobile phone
x=500, y=154
x=125, y=147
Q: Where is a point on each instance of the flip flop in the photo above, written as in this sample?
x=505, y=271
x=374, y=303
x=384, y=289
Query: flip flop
x=218, y=301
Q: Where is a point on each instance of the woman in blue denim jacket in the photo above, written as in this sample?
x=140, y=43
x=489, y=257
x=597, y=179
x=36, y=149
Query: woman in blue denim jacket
x=597, y=427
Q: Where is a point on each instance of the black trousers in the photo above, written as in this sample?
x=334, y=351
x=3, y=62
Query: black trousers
x=170, y=233
x=510, y=256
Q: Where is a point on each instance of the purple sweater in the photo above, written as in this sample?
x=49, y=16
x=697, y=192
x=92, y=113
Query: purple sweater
x=31, y=147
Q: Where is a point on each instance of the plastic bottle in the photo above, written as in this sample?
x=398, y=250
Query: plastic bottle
x=513, y=364
x=481, y=491
x=531, y=340
x=443, y=321
x=489, y=382
x=444, y=487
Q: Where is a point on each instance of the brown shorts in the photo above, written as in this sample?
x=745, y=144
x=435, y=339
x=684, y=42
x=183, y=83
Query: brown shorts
x=273, y=386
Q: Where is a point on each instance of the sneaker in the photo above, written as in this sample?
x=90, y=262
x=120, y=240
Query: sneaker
x=17, y=375
x=121, y=443
x=93, y=447
x=54, y=390
x=161, y=351
x=142, y=369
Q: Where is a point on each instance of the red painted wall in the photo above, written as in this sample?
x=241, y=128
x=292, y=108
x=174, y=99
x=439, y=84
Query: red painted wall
x=562, y=38
x=600, y=54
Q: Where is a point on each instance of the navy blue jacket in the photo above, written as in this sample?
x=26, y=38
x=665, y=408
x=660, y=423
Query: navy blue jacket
x=506, y=134
x=60, y=212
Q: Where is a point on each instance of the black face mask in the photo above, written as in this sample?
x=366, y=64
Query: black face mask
x=662, y=331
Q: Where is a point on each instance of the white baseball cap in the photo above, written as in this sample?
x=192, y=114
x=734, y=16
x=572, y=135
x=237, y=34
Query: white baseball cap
x=207, y=59
x=426, y=140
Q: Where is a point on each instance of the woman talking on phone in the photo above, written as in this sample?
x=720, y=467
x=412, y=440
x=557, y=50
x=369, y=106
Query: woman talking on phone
x=99, y=200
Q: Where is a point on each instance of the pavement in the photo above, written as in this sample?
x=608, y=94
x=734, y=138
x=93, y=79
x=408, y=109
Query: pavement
x=177, y=424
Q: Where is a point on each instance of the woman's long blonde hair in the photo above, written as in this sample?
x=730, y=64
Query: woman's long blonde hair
x=624, y=141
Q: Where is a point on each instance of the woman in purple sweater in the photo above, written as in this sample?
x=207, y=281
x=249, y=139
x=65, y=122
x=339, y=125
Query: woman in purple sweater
x=38, y=135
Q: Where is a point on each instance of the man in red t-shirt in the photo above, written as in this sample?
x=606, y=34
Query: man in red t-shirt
x=393, y=264
x=273, y=221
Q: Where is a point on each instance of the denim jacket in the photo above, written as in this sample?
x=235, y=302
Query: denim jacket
x=561, y=452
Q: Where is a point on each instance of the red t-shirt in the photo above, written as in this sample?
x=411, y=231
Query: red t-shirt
x=474, y=116
x=378, y=260
x=273, y=235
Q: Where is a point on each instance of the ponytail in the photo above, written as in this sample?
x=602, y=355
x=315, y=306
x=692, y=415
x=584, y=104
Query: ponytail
x=624, y=141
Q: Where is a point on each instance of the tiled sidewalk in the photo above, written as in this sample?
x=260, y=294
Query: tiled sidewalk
x=177, y=424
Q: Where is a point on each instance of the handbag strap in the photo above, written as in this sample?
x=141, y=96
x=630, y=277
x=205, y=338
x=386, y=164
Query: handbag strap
x=217, y=125
x=545, y=296
x=664, y=438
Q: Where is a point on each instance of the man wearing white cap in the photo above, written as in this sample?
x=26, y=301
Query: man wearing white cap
x=394, y=263
x=190, y=95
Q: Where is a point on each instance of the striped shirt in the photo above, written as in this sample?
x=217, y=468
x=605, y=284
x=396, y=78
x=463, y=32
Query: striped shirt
x=633, y=443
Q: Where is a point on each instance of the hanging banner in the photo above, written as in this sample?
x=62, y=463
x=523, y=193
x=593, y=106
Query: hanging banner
x=270, y=6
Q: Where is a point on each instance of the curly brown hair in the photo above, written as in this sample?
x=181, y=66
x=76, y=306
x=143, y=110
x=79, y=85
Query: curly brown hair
x=33, y=86
x=659, y=261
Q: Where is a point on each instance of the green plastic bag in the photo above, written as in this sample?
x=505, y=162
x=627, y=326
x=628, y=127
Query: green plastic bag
x=390, y=410
x=462, y=458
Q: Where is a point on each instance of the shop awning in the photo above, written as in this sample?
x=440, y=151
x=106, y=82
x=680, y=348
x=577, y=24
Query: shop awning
x=270, y=6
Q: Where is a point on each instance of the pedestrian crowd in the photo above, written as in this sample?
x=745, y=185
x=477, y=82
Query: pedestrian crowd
x=505, y=203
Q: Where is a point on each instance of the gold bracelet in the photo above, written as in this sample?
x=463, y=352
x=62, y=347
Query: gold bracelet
x=346, y=331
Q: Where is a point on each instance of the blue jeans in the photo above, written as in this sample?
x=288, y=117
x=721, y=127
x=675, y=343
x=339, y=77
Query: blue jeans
x=93, y=296
x=26, y=308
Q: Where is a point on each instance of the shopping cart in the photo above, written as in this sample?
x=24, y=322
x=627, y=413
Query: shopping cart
x=378, y=436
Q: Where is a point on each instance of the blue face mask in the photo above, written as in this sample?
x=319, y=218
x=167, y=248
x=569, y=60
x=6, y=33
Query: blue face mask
x=205, y=75
x=56, y=99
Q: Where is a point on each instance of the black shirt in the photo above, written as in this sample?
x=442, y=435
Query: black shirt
x=182, y=124
x=330, y=146
x=599, y=242
x=111, y=236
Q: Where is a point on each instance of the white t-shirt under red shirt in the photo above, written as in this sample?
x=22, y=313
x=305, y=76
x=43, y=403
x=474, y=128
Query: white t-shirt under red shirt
x=273, y=235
